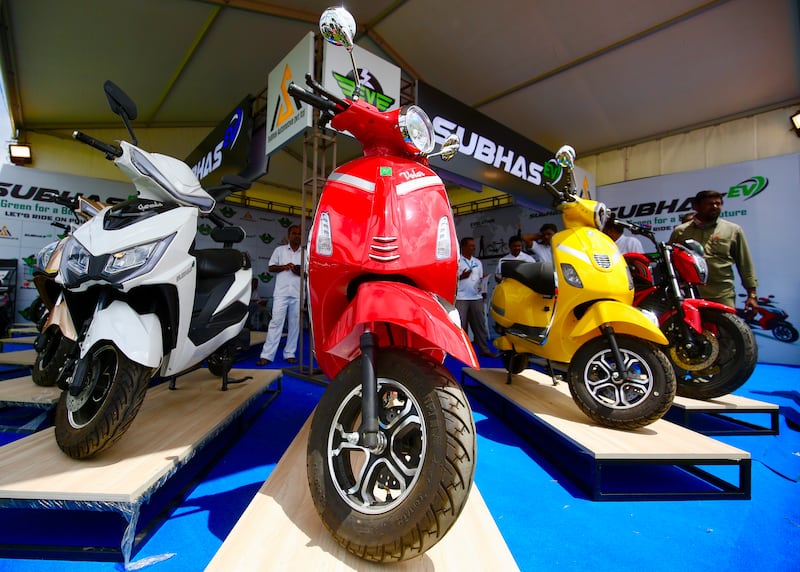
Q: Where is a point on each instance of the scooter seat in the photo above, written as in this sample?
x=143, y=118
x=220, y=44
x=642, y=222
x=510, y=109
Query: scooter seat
x=538, y=276
x=216, y=262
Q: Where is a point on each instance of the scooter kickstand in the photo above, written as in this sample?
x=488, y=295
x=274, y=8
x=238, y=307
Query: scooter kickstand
x=226, y=381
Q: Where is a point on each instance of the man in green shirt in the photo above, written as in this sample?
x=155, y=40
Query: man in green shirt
x=725, y=246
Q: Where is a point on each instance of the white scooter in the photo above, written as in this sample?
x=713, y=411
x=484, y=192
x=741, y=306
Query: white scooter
x=138, y=298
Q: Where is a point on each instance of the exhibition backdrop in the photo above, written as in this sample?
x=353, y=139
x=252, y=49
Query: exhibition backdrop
x=27, y=209
x=761, y=196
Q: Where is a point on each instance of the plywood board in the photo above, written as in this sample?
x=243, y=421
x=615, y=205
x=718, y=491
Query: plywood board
x=22, y=391
x=280, y=530
x=165, y=433
x=21, y=357
x=534, y=392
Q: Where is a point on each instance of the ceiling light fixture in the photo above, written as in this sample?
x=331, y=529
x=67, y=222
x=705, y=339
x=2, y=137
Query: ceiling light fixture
x=796, y=123
x=20, y=153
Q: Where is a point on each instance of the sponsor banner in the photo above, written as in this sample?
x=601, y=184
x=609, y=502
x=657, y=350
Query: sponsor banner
x=380, y=80
x=490, y=153
x=761, y=197
x=27, y=209
x=284, y=118
x=227, y=147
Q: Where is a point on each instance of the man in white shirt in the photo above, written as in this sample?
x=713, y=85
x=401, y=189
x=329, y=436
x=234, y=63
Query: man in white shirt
x=470, y=295
x=539, y=243
x=624, y=242
x=285, y=264
x=514, y=253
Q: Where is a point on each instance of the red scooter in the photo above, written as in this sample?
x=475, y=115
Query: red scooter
x=770, y=317
x=391, y=451
x=712, y=350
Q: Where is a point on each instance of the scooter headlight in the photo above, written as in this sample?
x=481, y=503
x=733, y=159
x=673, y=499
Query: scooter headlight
x=77, y=258
x=416, y=128
x=571, y=275
x=650, y=315
x=44, y=255
x=444, y=246
x=129, y=259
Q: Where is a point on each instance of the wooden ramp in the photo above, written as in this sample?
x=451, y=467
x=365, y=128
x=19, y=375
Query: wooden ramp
x=26, y=340
x=169, y=429
x=588, y=452
x=740, y=415
x=280, y=530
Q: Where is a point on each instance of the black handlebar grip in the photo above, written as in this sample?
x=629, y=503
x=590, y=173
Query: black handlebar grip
x=106, y=148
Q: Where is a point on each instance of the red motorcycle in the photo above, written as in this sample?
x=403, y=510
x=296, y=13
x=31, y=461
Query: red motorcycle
x=712, y=350
x=770, y=317
x=391, y=451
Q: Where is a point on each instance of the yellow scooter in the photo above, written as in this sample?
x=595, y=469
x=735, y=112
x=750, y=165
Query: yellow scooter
x=578, y=310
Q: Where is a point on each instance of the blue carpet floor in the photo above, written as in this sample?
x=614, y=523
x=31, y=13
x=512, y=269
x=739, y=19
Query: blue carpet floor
x=547, y=522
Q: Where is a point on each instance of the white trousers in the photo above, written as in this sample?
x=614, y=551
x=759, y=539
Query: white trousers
x=281, y=307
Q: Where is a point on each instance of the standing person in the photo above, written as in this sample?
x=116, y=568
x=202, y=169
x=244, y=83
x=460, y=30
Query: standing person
x=514, y=253
x=285, y=264
x=624, y=242
x=539, y=243
x=470, y=295
x=725, y=245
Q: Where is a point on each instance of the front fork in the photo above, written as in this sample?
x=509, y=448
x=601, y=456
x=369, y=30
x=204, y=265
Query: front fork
x=368, y=433
x=622, y=371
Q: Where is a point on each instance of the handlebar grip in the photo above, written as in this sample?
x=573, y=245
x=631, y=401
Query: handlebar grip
x=312, y=99
x=109, y=150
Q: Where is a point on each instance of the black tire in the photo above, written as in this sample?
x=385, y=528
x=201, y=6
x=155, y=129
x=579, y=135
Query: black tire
x=735, y=361
x=784, y=332
x=627, y=405
x=95, y=419
x=49, y=360
x=429, y=458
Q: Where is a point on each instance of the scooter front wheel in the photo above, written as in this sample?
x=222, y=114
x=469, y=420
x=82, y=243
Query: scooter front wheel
x=736, y=355
x=393, y=502
x=785, y=332
x=50, y=358
x=99, y=415
x=639, y=397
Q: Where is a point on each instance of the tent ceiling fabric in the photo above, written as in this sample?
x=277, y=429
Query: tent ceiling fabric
x=598, y=75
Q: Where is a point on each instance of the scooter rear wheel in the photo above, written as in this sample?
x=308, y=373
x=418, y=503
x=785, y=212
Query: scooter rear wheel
x=395, y=503
x=99, y=415
x=733, y=365
x=622, y=404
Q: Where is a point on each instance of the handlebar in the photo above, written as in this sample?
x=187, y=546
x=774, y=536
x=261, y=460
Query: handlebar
x=110, y=150
x=317, y=98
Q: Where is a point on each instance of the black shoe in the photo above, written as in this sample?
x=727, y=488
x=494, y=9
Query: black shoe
x=263, y=362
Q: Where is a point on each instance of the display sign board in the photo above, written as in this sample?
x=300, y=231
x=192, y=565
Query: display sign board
x=284, y=118
x=490, y=153
x=756, y=195
x=227, y=147
x=380, y=80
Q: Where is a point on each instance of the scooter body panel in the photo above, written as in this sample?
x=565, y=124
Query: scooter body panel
x=388, y=219
x=408, y=317
x=137, y=336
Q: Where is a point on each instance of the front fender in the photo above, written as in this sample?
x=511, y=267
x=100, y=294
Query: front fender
x=137, y=336
x=625, y=319
x=691, y=309
x=411, y=309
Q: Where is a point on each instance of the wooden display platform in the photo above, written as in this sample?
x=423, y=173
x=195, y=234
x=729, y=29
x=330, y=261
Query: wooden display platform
x=26, y=340
x=688, y=412
x=280, y=530
x=22, y=357
x=22, y=392
x=588, y=452
x=169, y=429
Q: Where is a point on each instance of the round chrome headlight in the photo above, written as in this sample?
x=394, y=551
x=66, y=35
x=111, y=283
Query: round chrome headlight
x=416, y=128
x=600, y=215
